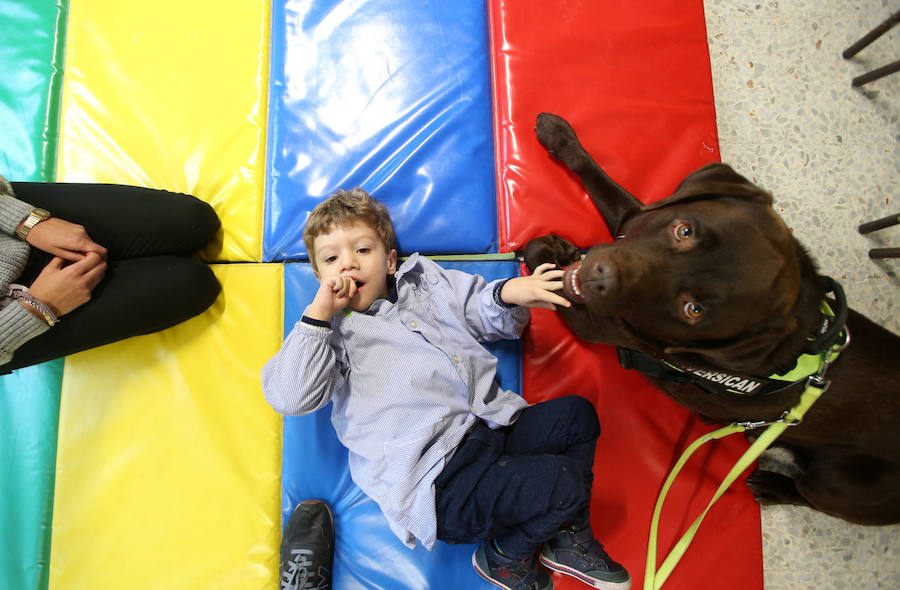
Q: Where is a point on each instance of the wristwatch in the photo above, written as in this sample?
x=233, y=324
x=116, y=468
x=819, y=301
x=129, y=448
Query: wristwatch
x=35, y=216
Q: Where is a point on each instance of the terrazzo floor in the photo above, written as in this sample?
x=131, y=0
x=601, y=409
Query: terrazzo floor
x=789, y=120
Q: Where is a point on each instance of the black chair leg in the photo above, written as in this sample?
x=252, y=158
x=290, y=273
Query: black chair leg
x=874, y=34
x=876, y=73
x=882, y=223
x=877, y=224
x=884, y=253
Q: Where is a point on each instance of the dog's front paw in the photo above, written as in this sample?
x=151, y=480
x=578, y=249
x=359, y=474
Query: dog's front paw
x=551, y=248
x=556, y=135
x=772, y=488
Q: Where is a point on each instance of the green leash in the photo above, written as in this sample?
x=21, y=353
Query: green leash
x=815, y=386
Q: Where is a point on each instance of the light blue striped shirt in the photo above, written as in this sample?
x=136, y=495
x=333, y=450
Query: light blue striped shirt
x=408, y=380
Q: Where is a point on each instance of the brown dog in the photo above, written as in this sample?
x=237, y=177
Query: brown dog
x=711, y=282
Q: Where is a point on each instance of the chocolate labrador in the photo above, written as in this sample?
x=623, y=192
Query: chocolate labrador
x=708, y=292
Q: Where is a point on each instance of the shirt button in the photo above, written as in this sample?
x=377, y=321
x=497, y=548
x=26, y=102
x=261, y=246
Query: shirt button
x=455, y=359
x=413, y=325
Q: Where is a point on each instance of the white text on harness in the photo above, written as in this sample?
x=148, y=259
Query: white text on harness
x=737, y=383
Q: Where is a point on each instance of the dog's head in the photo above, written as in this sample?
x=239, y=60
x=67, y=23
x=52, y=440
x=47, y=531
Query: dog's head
x=710, y=276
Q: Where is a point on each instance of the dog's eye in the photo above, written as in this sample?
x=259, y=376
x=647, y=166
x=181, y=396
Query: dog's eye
x=692, y=311
x=683, y=231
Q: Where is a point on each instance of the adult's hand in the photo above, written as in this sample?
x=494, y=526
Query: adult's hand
x=65, y=286
x=67, y=240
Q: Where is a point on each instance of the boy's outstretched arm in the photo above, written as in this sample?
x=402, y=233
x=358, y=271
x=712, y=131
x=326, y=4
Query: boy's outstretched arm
x=538, y=289
x=498, y=309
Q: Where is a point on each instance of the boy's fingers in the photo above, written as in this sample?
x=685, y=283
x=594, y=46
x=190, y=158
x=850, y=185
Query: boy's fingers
x=341, y=291
x=348, y=288
x=557, y=299
x=554, y=285
x=544, y=267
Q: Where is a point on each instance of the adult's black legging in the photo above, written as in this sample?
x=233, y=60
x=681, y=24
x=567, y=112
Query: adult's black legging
x=153, y=278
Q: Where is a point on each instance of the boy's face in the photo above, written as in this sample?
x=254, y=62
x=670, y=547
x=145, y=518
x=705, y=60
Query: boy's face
x=356, y=251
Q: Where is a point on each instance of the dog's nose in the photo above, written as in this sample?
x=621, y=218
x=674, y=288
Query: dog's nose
x=603, y=278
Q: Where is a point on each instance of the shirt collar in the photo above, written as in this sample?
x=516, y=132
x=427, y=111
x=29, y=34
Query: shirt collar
x=407, y=265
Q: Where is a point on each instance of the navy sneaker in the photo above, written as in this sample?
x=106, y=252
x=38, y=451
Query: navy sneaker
x=307, y=548
x=578, y=554
x=512, y=574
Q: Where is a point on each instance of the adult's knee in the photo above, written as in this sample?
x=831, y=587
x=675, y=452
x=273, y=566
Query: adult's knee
x=199, y=286
x=182, y=287
x=198, y=219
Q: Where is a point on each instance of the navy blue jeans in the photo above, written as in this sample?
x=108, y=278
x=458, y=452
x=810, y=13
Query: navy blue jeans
x=521, y=483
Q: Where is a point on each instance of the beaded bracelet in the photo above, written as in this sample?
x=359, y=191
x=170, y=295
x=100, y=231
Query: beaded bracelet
x=40, y=306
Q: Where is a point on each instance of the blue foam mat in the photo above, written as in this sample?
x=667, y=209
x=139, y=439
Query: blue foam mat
x=367, y=554
x=390, y=95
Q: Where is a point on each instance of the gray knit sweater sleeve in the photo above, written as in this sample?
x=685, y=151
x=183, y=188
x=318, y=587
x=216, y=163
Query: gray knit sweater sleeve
x=12, y=210
x=17, y=324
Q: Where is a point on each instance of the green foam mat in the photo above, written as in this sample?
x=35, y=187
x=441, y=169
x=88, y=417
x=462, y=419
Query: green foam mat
x=32, y=36
x=31, y=41
x=29, y=414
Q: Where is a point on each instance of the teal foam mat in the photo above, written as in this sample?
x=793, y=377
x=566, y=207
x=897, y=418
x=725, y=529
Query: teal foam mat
x=31, y=41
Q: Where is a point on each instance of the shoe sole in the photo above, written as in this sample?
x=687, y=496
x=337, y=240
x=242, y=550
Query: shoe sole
x=486, y=576
x=592, y=582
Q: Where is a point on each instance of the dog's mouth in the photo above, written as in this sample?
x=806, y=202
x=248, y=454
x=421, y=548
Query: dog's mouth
x=572, y=283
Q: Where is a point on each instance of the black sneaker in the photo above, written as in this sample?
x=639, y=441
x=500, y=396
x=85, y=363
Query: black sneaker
x=508, y=573
x=578, y=554
x=307, y=549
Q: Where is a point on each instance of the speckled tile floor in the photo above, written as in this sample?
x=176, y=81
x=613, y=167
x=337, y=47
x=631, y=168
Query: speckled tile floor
x=789, y=120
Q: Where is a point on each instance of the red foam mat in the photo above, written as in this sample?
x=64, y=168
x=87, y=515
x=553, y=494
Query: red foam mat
x=643, y=434
x=633, y=78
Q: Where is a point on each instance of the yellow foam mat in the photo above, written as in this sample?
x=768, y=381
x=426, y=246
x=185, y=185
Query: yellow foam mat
x=169, y=459
x=172, y=94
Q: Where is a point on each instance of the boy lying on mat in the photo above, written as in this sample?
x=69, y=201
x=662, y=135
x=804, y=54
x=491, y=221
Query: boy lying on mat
x=433, y=439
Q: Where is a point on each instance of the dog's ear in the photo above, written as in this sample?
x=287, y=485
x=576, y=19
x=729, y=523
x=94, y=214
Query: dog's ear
x=746, y=354
x=713, y=181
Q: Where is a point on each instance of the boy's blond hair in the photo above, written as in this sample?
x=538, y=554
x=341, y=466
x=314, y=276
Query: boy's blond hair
x=344, y=208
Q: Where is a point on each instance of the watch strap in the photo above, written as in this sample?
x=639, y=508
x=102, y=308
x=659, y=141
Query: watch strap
x=35, y=216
